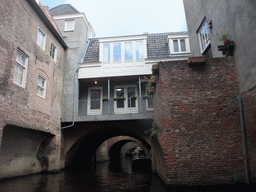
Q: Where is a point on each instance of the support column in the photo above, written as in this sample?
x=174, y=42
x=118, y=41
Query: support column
x=139, y=94
x=108, y=94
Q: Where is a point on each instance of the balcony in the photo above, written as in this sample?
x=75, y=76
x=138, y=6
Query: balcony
x=115, y=109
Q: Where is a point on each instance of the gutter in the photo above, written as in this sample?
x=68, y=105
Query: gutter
x=46, y=21
x=245, y=147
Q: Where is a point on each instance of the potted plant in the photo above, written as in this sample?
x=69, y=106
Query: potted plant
x=105, y=98
x=145, y=97
x=133, y=97
x=225, y=39
x=153, y=79
x=119, y=98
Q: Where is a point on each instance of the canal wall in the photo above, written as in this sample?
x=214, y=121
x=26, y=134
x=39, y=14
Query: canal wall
x=199, y=141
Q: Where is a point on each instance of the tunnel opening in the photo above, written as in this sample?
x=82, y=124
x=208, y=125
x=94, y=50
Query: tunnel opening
x=82, y=155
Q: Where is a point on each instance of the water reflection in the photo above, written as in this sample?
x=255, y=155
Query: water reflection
x=107, y=177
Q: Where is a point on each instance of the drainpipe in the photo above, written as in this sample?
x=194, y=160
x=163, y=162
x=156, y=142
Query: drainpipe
x=108, y=93
x=74, y=89
x=245, y=148
x=140, y=94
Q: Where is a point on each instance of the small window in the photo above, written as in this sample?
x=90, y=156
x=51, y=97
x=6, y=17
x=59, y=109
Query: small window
x=106, y=52
x=178, y=46
x=41, y=86
x=117, y=52
x=128, y=51
x=20, y=68
x=204, y=37
x=53, y=52
x=41, y=38
x=70, y=25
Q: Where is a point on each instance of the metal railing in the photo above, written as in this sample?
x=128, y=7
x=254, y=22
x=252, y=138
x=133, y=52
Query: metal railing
x=110, y=106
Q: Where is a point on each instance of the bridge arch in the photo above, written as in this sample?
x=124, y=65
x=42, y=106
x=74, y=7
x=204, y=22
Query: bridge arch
x=82, y=141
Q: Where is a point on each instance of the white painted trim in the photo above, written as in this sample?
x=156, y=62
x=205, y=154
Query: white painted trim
x=73, y=16
x=56, y=53
x=94, y=111
x=126, y=109
x=24, y=79
x=66, y=24
x=126, y=38
x=44, y=40
x=171, y=48
x=147, y=108
x=45, y=82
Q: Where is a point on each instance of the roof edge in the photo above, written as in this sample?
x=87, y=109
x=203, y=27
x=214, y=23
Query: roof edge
x=46, y=21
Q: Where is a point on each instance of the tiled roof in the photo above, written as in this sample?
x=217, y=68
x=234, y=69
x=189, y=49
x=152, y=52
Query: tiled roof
x=157, y=47
x=64, y=9
x=92, y=53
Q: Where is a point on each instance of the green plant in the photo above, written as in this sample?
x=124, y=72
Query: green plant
x=119, y=98
x=43, y=155
x=152, y=77
x=133, y=97
x=153, y=131
x=145, y=97
x=224, y=37
x=105, y=98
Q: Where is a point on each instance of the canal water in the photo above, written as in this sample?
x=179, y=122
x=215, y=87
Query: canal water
x=107, y=177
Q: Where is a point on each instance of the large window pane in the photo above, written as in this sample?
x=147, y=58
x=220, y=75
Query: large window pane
x=106, y=52
x=117, y=52
x=182, y=45
x=175, y=46
x=128, y=51
x=139, y=50
x=95, y=99
x=120, y=93
x=131, y=92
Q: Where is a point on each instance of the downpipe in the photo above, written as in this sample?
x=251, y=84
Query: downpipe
x=245, y=147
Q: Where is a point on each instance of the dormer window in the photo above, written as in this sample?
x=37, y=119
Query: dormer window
x=179, y=45
x=131, y=51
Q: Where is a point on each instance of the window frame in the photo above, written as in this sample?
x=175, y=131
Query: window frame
x=24, y=71
x=66, y=25
x=147, y=106
x=94, y=111
x=171, y=42
x=44, y=88
x=44, y=38
x=205, y=44
x=126, y=109
x=55, y=53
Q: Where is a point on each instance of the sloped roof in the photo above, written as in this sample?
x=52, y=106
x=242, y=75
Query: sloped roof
x=64, y=9
x=157, y=47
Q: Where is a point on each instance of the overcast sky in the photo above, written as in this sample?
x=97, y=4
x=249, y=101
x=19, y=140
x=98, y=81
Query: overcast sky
x=129, y=17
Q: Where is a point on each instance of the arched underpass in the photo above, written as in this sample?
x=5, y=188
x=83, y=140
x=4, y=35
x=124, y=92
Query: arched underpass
x=87, y=137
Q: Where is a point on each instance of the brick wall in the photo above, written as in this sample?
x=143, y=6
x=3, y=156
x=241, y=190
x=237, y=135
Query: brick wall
x=198, y=117
x=22, y=107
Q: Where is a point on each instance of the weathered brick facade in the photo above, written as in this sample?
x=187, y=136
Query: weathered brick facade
x=197, y=113
x=21, y=109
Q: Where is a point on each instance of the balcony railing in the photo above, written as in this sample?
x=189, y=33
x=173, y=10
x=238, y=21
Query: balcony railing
x=114, y=106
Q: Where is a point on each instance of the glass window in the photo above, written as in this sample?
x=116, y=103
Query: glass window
x=182, y=45
x=95, y=99
x=139, y=50
x=41, y=37
x=204, y=37
x=41, y=86
x=175, y=46
x=106, y=52
x=20, y=68
x=117, y=52
x=69, y=25
x=53, y=51
x=120, y=93
x=131, y=92
x=128, y=51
